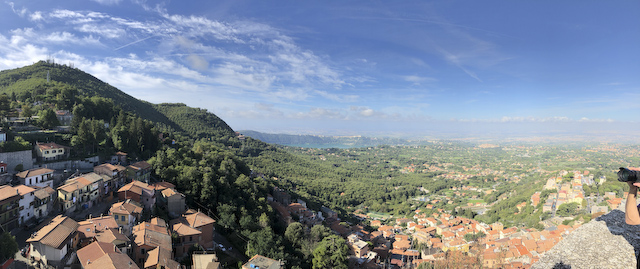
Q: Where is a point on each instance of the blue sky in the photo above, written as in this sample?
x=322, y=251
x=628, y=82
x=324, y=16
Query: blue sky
x=401, y=68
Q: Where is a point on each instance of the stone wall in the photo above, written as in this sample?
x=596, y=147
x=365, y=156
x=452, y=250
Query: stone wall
x=17, y=157
x=86, y=164
x=606, y=242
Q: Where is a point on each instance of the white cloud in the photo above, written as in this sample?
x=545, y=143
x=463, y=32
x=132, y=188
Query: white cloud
x=18, y=11
x=65, y=14
x=36, y=16
x=343, y=98
x=107, y=32
x=416, y=80
x=197, y=62
x=108, y=2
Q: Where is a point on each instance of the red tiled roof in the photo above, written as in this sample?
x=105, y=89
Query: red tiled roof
x=56, y=232
x=7, y=192
x=34, y=172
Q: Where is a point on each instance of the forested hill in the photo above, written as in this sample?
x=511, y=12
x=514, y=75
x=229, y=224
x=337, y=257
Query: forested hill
x=195, y=121
x=64, y=81
x=315, y=141
x=34, y=77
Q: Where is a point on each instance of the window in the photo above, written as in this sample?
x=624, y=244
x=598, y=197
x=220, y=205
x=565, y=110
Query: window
x=190, y=238
x=122, y=218
x=142, y=251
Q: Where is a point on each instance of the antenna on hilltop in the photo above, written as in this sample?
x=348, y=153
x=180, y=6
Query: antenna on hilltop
x=48, y=78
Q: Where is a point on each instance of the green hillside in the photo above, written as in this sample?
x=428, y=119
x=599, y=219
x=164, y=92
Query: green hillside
x=189, y=147
x=34, y=78
x=197, y=122
x=31, y=81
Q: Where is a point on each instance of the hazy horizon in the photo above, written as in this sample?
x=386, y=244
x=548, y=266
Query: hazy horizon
x=411, y=69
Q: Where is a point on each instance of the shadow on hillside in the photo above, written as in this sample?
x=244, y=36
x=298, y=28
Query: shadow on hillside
x=615, y=221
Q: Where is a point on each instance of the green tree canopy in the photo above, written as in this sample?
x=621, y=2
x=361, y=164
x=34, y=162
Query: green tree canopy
x=8, y=246
x=331, y=253
x=48, y=119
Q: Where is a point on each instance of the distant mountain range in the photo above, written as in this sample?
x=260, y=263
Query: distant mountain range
x=318, y=141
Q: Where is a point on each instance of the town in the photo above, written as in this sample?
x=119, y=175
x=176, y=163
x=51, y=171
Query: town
x=87, y=184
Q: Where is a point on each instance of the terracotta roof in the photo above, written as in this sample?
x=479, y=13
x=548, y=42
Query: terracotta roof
x=163, y=185
x=93, y=251
x=113, y=261
x=34, y=172
x=183, y=230
x=43, y=193
x=198, y=219
x=161, y=258
x=152, y=238
x=56, y=232
x=93, y=177
x=72, y=186
x=140, y=165
x=111, y=167
x=205, y=261
x=170, y=192
x=457, y=242
x=7, y=192
x=402, y=244
x=152, y=227
x=22, y=189
x=158, y=222
x=136, y=187
x=111, y=235
x=128, y=207
x=89, y=228
x=51, y=145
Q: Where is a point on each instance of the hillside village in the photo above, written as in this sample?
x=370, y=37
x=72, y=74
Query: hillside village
x=148, y=224
x=74, y=197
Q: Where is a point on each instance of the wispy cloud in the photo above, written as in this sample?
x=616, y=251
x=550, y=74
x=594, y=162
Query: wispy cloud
x=18, y=11
x=108, y=2
x=416, y=80
x=338, y=97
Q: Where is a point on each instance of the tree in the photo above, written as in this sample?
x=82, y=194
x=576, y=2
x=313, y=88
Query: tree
x=5, y=105
x=331, y=253
x=48, y=119
x=567, y=209
x=8, y=246
x=319, y=232
x=266, y=243
x=26, y=110
x=227, y=216
x=294, y=233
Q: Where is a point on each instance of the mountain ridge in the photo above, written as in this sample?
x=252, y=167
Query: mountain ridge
x=32, y=79
x=323, y=141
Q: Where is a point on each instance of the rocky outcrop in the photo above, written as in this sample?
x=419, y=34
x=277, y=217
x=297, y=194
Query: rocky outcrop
x=606, y=242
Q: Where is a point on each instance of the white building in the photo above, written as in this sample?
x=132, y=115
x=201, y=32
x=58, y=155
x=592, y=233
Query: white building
x=51, y=244
x=26, y=202
x=40, y=177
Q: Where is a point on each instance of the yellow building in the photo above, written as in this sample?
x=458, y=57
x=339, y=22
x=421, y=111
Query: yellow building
x=51, y=151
